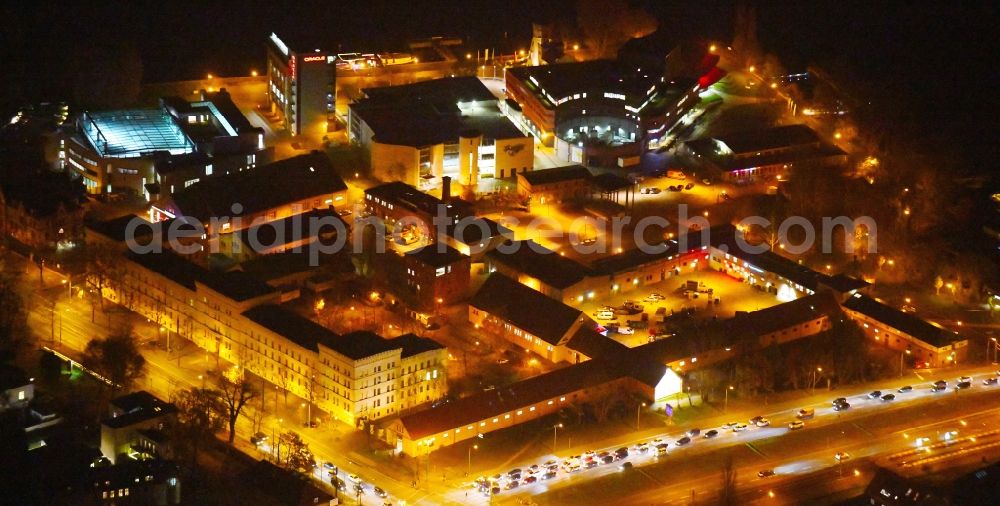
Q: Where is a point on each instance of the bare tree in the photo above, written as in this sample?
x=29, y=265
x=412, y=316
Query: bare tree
x=609, y=24
x=116, y=358
x=727, y=492
x=298, y=457
x=235, y=395
x=200, y=414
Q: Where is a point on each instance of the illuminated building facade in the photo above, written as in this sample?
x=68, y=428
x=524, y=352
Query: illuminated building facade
x=301, y=86
x=154, y=152
x=419, y=133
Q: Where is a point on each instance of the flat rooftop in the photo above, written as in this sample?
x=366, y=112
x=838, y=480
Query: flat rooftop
x=433, y=112
x=563, y=80
x=133, y=132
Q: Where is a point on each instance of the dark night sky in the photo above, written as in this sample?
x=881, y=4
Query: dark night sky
x=932, y=63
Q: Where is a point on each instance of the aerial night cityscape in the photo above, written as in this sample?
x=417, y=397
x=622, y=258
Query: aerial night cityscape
x=625, y=252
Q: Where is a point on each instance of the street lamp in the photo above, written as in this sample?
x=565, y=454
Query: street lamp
x=469, y=469
x=901, y=354
x=638, y=409
x=555, y=432
x=813, y=384
x=726, y=408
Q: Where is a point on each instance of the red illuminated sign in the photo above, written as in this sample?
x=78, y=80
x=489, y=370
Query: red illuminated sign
x=291, y=67
x=314, y=58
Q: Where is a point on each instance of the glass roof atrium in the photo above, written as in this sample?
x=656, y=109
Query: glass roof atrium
x=134, y=132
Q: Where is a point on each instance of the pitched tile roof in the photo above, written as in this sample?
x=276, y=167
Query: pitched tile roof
x=525, y=308
x=906, y=323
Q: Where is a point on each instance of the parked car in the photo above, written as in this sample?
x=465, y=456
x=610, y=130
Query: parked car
x=706, y=182
x=689, y=186
x=605, y=315
x=625, y=331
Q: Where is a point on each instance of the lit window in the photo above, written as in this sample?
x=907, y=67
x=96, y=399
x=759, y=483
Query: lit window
x=482, y=424
x=495, y=420
x=532, y=408
x=506, y=417
x=520, y=412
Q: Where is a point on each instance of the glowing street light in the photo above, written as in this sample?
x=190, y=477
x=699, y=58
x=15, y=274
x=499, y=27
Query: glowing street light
x=210, y=76
x=468, y=56
x=726, y=407
x=576, y=47
x=555, y=433
x=253, y=73
x=712, y=48
x=752, y=68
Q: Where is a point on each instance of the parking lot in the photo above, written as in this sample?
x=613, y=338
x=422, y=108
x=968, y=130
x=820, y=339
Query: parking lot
x=733, y=296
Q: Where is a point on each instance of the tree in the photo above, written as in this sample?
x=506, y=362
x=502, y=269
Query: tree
x=116, y=358
x=200, y=414
x=938, y=283
x=609, y=24
x=727, y=492
x=745, y=33
x=298, y=457
x=235, y=395
x=13, y=317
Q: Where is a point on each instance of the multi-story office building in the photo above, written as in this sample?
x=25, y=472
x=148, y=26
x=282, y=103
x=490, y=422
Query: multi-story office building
x=301, y=86
x=418, y=133
x=238, y=319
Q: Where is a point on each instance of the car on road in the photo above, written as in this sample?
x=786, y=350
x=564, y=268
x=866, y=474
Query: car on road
x=530, y=479
x=876, y=394
x=967, y=379
x=740, y=427
x=662, y=448
x=888, y=397
x=689, y=186
x=706, y=182
x=591, y=464
x=338, y=483
x=605, y=315
x=607, y=459
x=354, y=478
x=513, y=484
x=806, y=413
x=682, y=441
x=676, y=188
x=842, y=456
x=754, y=420
x=381, y=493
x=940, y=383
x=938, y=388
x=763, y=422
x=625, y=466
x=494, y=491
x=642, y=447
x=551, y=463
x=329, y=466
x=796, y=424
x=729, y=425
x=693, y=432
x=905, y=389
x=625, y=331
x=839, y=400
x=842, y=406
x=258, y=439
x=710, y=434
x=765, y=473
x=512, y=472
x=549, y=475
x=962, y=385
x=990, y=381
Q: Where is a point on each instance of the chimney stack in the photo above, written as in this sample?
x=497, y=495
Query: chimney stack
x=445, y=188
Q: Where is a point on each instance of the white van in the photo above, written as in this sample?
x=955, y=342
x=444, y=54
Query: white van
x=604, y=314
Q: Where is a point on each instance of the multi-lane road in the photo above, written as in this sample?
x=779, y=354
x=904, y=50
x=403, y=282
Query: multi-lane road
x=802, y=460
